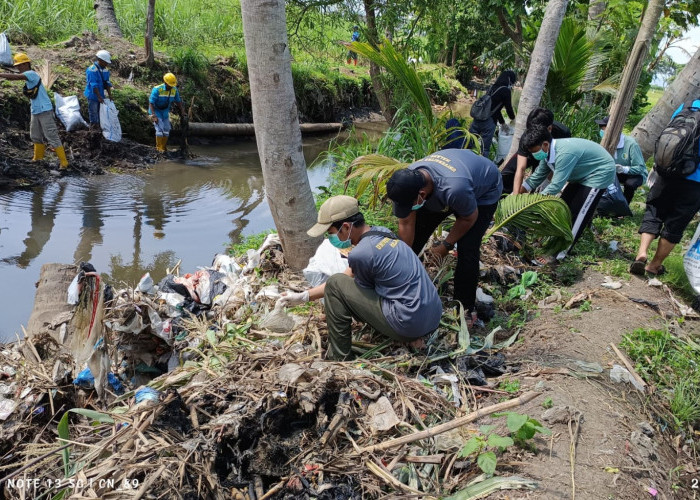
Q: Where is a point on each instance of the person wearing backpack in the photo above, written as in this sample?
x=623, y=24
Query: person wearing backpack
x=97, y=77
x=162, y=98
x=674, y=199
x=385, y=285
x=629, y=162
x=487, y=110
x=42, y=127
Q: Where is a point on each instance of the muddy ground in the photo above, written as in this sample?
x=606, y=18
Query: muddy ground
x=621, y=450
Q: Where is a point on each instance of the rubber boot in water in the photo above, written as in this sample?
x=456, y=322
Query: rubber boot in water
x=165, y=143
x=39, y=150
x=61, y=153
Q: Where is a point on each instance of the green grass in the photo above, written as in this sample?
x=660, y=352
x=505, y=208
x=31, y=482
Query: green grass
x=671, y=364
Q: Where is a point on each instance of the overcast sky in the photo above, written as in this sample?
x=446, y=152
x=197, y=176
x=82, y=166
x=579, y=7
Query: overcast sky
x=690, y=43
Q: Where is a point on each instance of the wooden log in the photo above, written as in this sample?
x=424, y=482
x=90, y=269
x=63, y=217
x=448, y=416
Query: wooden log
x=50, y=303
x=452, y=424
x=247, y=129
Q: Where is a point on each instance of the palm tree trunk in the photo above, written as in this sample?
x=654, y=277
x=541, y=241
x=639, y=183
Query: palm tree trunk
x=683, y=88
x=150, y=18
x=276, y=120
x=540, y=61
x=630, y=76
x=383, y=93
x=106, y=18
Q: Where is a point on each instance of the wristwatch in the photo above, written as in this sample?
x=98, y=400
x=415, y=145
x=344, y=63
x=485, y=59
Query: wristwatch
x=449, y=246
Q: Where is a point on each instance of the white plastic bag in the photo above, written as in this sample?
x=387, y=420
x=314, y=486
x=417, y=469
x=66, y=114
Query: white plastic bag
x=68, y=111
x=326, y=262
x=73, y=291
x=5, y=51
x=109, y=121
x=691, y=262
x=505, y=139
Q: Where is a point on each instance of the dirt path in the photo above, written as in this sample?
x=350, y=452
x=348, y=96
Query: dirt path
x=610, y=434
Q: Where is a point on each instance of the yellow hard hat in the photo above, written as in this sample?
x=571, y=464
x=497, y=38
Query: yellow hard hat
x=170, y=79
x=21, y=58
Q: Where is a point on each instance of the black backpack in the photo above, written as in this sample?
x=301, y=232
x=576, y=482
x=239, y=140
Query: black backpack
x=481, y=109
x=676, y=152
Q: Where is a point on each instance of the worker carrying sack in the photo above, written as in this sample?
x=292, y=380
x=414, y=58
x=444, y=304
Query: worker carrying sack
x=676, y=151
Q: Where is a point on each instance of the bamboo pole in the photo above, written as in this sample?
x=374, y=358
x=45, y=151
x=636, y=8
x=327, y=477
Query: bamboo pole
x=452, y=424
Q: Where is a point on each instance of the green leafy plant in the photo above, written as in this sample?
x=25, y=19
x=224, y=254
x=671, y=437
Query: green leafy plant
x=480, y=443
x=528, y=279
x=522, y=427
x=547, y=403
x=542, y=216
x=585, y=306
x=509, y=385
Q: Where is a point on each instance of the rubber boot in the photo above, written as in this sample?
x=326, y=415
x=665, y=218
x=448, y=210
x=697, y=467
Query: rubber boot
x=159, y=144
x=61, y=153
x=165, y=143
x=39, y=150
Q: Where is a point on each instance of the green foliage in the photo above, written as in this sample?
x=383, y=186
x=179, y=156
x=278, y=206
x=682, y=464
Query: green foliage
x=522, y=427
x=192, y=63
x=375, y=169
x=547, y=403
x=509, y=385
x=671, y=364
x=542, y=216
x=528, y=279
x=585, y=306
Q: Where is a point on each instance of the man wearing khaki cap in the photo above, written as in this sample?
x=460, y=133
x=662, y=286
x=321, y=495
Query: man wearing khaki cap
x=386, y=286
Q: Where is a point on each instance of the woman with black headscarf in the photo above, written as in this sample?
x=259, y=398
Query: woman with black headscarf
x=500, y=98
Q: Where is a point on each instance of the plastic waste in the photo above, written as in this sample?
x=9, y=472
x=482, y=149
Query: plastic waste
x=277, y=320
x=109, y=121
x=613, y=202
x=253, y=261
x=73, y=291
x=326, y=262
x=68, y=111
x=691, y=262
x=7, y=406
x=5, y=51
x=226, y=264
x=159, y=327
x=147, y=394
x=85, y=380
x=613, y=246
x=619, y=374
x=505, y=139
x=146, y=284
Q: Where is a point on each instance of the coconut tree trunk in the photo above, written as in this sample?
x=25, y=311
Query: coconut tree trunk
x=276, y=120
x=596, y=9
x=383, y=93
x=540, y=61
x=150, y=18
x=630, y=76
x=683, y=88
x=106, y=18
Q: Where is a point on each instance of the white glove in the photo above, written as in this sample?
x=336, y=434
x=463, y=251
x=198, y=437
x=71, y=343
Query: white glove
x=621, y=169
x=289, y=299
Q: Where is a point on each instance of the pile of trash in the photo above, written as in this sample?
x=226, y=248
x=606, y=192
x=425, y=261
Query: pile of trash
x=199, y=387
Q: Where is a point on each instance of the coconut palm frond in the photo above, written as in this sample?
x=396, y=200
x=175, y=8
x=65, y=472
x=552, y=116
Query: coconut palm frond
x=542, y=216
x=375, y=169
x=48, y=77
x=386, y=56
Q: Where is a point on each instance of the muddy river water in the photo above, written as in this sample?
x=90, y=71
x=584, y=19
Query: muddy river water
x=127, y=224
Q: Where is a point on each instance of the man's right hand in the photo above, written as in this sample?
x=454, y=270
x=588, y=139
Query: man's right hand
x=154, y=118
x=290, y=299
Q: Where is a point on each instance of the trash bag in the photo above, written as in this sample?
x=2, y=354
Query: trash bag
x=691, y=262
x=68, y=111
x=277, y=320
x=613, y=202
x=505, y=139
x=326, y=262
x=5, y=51
x=109, y=121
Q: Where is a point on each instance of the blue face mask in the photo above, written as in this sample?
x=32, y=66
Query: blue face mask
x=418, y=206
x=602, y=133
x=540, y=155
x=337, y=242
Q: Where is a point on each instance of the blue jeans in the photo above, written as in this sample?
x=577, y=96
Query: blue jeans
x=485, y=129
x=94, y=111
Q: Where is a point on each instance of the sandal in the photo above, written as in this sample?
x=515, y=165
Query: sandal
x=659, y=272
x=638, y=267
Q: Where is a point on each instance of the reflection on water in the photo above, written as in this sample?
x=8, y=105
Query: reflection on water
x=128, y=224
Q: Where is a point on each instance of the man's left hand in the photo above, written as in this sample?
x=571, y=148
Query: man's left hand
x=438, y=251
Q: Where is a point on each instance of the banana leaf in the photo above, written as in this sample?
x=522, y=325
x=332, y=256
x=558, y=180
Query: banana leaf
x=542, y=216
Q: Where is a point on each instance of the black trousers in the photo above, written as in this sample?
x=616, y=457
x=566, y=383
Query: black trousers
x=466, y=277
x=629, y=184
x=671, y=205
x=582, y=201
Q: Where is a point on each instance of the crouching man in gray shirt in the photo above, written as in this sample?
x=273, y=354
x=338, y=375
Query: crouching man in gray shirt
x=386, y=285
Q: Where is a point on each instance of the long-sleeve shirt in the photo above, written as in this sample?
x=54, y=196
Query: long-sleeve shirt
x=97, y=77
x=629, y=154
x=574, y=160
x=501, y=99
x=162, y=98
